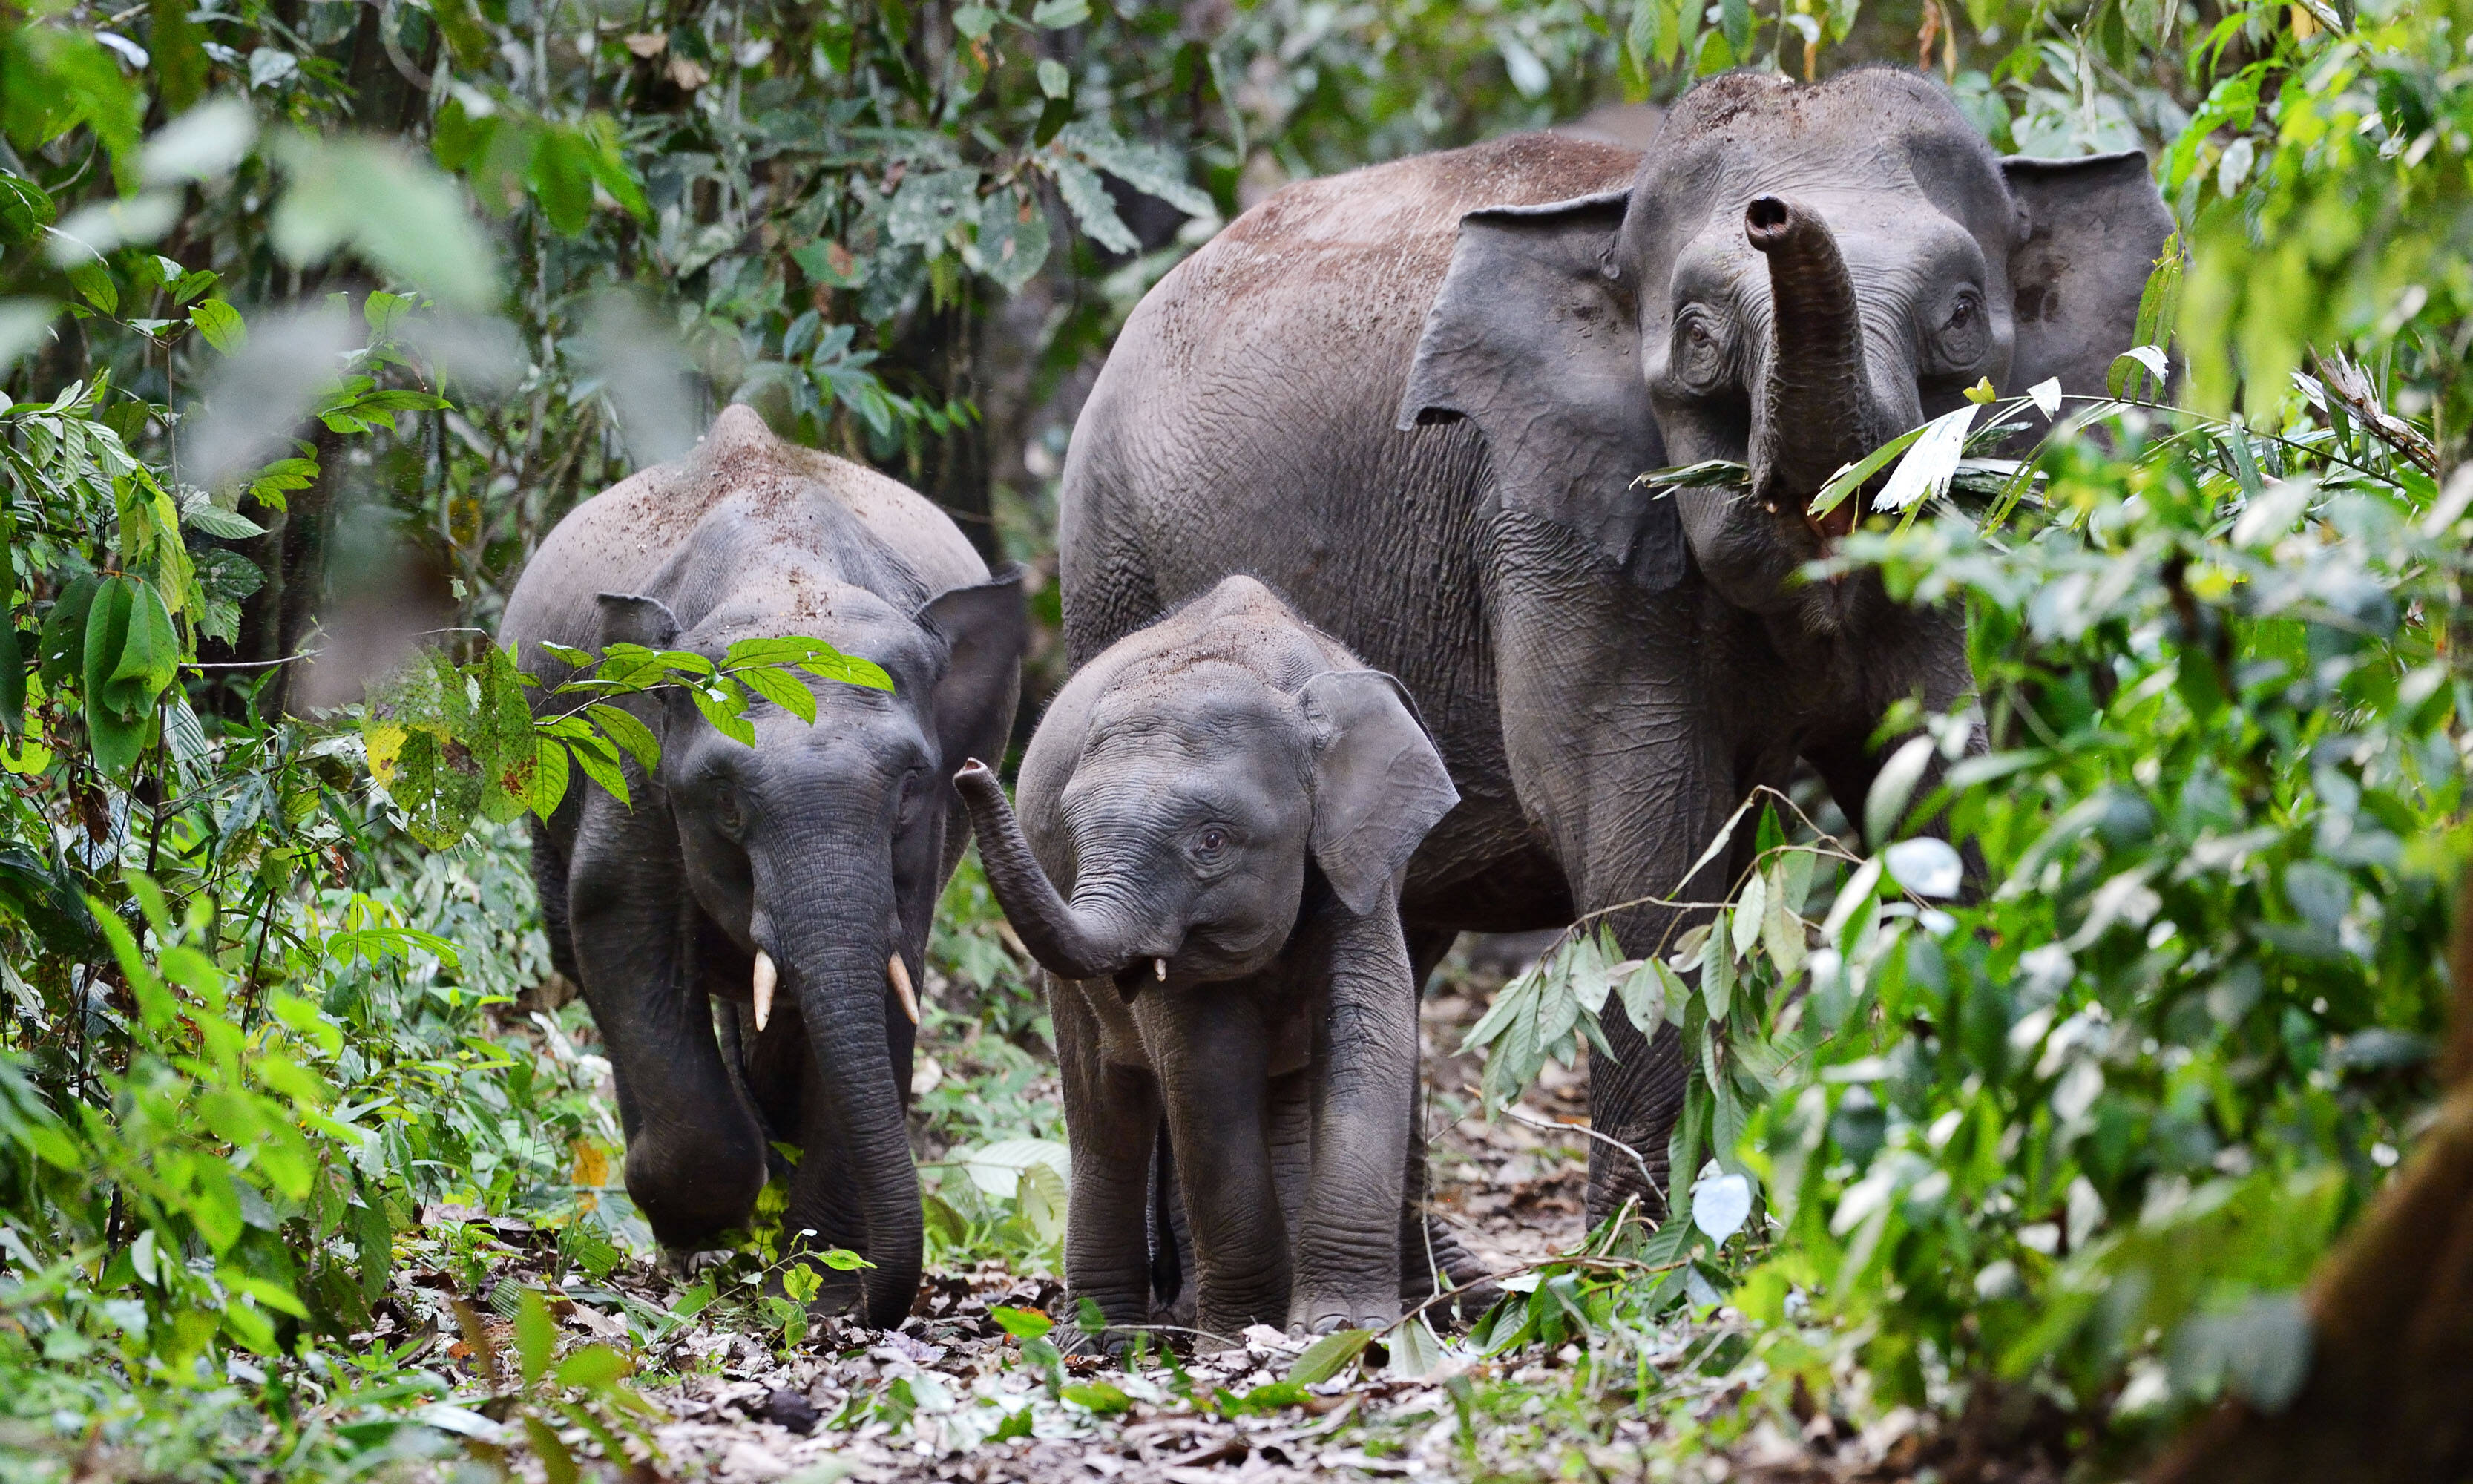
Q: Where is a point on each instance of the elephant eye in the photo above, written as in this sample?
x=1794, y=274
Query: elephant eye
x=908, y=803
x=727, y=811
x=1965, y=335
x=1700, y=355
x=1209, y=843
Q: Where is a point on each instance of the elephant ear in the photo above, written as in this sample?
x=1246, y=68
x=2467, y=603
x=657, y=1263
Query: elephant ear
x=633, y=618
x=1378, y=784
x=2094, y=229
x=985, y=628
x=1535, y=337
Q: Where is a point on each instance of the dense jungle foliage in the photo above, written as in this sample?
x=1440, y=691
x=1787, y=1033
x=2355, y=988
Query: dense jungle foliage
x=316, y=315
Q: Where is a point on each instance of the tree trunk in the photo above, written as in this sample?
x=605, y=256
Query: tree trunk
x=2390, y=1390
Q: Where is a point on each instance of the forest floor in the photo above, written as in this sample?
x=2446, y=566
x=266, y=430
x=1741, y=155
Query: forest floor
x=951, y=1396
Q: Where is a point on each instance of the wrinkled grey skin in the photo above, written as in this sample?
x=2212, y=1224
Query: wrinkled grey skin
x=1413, y=399
x=1229, y=799
x=822, y=845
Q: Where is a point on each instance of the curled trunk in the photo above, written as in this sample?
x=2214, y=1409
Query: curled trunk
x=1067, y=942
x=1815, y=412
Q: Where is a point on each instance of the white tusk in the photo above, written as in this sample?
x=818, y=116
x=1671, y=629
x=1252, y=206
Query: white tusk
x=766, y=978
x=899, y=974
x=1158, y=970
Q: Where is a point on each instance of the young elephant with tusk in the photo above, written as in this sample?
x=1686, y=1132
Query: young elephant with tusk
x=731, y=915
x=1230, y=800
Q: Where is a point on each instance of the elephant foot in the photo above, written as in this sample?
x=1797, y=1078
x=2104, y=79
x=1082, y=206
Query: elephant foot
x=1471, y=1282
x=1328, y=1313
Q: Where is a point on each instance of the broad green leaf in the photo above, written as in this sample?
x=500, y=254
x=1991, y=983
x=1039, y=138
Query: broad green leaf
x=557, y=1464
x=1846, y=481
x=725, y=706
x=593, y=1367
x=536, y=1336
x=1020, y=1323
x=221, y=325
x=1926, y=471
x=1088, y=200
x=1329, y=1355
x=1098, y=1397
x=781, y=689
x=621, y=727
x=1750, y=909
x=928, y=206
x=1718, y=972
x=1885, y=808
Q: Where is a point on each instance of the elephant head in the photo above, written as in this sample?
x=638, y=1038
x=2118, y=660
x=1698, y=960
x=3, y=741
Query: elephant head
x=1193, y=810
x=812, y=860
x=1797, y=274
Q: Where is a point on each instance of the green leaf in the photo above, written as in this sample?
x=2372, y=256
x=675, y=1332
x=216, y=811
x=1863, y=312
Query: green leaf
x=1098, y=1397
x=930, y=205
x=1088, y=200
x=92, y=279
x=599, y=761
x=1646, y=991
x=536, y=1336
x=1718, y=972
x=1749, y=910
x=216, y=521
x=557, y=1464
x=1013, y=243
x=60, y=651
x=220, y=324
x=24, y=211
x=550, y=779
x=1328, y=1356
x=781, y=689
x=725, y=706
x=1020, y=1323
x=621, y=727
x=1846, y=481
x=399, y=213
x=1057, y=15
x=593, y=1367
x=13, y=677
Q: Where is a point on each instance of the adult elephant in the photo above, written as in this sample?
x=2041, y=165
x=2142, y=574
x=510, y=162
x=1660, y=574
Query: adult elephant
x=1414, y=398
x=792, y=881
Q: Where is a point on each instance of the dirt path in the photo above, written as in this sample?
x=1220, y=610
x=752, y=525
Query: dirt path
x=952, y=1396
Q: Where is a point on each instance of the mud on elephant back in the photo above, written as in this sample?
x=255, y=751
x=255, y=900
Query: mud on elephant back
x=1414, y=400
x=746, y=934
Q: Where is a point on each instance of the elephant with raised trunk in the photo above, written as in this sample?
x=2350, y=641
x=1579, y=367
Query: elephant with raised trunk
x=784, y=889
x=1415, y=399
x=1229, y=798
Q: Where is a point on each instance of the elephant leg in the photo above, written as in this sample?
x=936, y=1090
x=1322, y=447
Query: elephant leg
x=1288, y=1128
x=1171, y=1240
x=1112, y=1115
x=1365, y=1076
x=1210, y=1051
x=549, y=880
x=1634, y=724
x=1108, y=585
x=1428, y=1246
x=695, y=1150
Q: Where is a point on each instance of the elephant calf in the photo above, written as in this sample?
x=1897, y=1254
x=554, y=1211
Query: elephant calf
x=1230, y=797
x=806, y=866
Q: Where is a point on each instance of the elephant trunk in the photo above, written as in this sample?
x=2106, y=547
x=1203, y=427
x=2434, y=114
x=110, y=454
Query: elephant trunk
x=1067, y=942
x=839, y=979
x=1815, y=412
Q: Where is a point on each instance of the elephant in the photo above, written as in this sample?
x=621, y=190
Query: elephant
x=1230, y=798
x=1415, y=399
x=805, y=867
